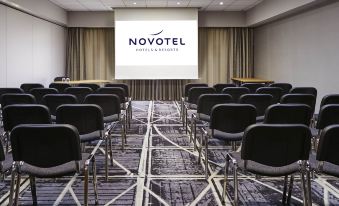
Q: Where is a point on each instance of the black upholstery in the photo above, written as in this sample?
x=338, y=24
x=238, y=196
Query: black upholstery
x=276, y=93
x=92, y=86
x=330, y=99
x=304, y=90
x=328, y=115
x=188, y=86
x=236, y=92
x=119, y=91
x=60, y=86
x=286, y=87
x=253, y=86
x=219, y=87
x=10, y=91
x=121, y=85
x=288, y=114
x=307, y=99
x=53, y=101
x=14, y=115
x=28, y=86
x=259, y=101
x=9, y=99
x=194, y=94
x=39, y=93
x=207, y=101
x=79, y=92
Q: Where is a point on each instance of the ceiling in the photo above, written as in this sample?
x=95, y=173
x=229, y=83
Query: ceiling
x=107, y=5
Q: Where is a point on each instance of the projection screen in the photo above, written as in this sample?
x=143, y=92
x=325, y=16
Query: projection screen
x=156, y=44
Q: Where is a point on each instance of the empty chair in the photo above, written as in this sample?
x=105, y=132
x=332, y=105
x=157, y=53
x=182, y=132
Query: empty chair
x=9, y=99
x=187, y=87
x=28, y=86
x=128, y=98
x=304, y=90
x=228, y=123
x=236, y=92
x=59, y=86
x=49, y=151
x=205, y=104
x=276, y=93
x=307, y=99
x=39, y=93
x=10, y=91
x=288, y=114
x=253, y=86
x=219, y=87
x=79, y=92
x=92, y=86
x=273, y=150
x=330, y=99
x=286, y=87
x=259, y=101
x=53, y=101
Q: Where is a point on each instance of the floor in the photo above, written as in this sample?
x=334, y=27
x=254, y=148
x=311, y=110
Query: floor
x=160, y=167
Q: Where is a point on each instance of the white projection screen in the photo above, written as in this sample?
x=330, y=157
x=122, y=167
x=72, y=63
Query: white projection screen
x=156, y=43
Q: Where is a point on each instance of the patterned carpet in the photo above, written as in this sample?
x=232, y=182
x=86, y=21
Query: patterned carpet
x=160, y=167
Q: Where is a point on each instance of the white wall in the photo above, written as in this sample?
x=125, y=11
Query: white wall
x=31, y=49
x=302, y=50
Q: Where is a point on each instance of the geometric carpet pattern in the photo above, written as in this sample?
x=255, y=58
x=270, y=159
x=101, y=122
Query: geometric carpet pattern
x=160, y=167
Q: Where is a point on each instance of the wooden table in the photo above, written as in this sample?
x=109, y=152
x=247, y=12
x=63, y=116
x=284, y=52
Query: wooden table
x=94, y=81
x=240, y=81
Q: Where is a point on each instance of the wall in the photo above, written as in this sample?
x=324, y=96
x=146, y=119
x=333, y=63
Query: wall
x=31, y=49
x=302, y=50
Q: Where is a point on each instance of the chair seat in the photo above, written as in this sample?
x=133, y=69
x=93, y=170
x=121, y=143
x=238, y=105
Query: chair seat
x=111, y=118
x=328, y=168
x=226, y=136
x=7, y=163
x=52, y=172
x=204, y=117
x=90, y=136
x=265, y=170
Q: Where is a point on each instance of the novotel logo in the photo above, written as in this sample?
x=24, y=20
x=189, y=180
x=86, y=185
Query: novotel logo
x=156, y=41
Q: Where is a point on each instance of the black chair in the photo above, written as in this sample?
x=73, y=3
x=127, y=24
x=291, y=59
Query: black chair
x=276, y=93
x=288, y=114
x=9, y=99
x=228, y=123
x=192, y=101
x=253, y=86
x=307, y=99
x=79, y=92
x=259, y=101
x=304, y=90
x=205, y=104
x=219, y=87
x=329, y=99
x=184, y=98
x=49, y=151
x=53, y=101
x=59, y=86
x=286, y=87
x=28, y=86
x=39, y=93
x=128, y=98
x=273, y=150
x=236, y=92
x=92, y=86
x=10, y=91
x=59, y=79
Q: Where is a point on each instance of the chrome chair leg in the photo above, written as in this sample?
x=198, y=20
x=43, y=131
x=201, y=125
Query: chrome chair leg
x=303, y=184
x=33, y=189
x=285, y=190
x=94, y=171
x=206, y=156
x=17, y=189
x=11, y=191
x=290, y=187
x=225, y=180
x=86, y=185
x=195, y=135
x=110, y=150
x=235, y=180
x=308, y=187
x=106, y=159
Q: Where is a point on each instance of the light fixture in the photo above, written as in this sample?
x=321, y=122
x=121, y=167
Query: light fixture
x=134, y=3
x=178, y=3
x=221, y=3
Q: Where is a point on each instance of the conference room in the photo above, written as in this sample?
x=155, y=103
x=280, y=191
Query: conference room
x=169, y=102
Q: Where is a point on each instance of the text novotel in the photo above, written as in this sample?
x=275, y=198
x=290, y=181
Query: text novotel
x=157, y=41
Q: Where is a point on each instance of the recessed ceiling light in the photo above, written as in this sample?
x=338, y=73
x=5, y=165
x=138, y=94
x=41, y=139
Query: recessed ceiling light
x=221, y=3
x=134, y=3
x=178, y=3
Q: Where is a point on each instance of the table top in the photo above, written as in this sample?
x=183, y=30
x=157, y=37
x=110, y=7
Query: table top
x=85, y=81
x=252, y=80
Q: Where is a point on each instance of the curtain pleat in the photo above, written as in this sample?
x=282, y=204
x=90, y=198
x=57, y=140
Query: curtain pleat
x=223, y=53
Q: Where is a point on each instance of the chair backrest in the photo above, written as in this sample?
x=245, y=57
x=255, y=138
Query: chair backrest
x=79, y=92
x=328, y=115
x=307, y=99
x=60, y=78
x=120, y=92
x=328, y=145
x=10, y=91
x=219, y=87
x=92, y=86
x=276, y=93
x=53, y=101
x=59, y=86
x=288, y=114
x=259, y=101
x=195, y=92
x=45, y=145
x=304, y=90
x=330, y=99
x=28, y=86
x=121, y=85
x=39, y=93
x=16, y=114
x=207, y=101
x=286, y=87
x=86, y=118
x=276, y=145
x=188, y=86
x=232, y=118
x=253, y=86
x=9, y=99
x=109, y=103
x=236, y=92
